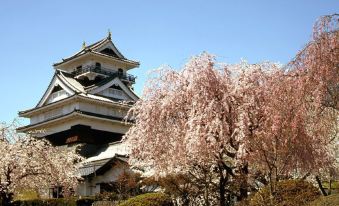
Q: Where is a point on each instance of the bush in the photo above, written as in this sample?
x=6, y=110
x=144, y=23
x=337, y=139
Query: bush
x=288, y=193
x=244, y=202
x=331, y=200
x=149, y=199
x=47, y=202
x=107, y=196
x=55, y=202
x=84, y=202
x=26, y=194
x=104, y=203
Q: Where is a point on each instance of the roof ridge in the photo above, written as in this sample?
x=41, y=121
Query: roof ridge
x=96, y=45
x=98, y=42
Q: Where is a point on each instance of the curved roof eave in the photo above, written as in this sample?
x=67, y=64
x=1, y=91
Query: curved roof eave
x=96, y=46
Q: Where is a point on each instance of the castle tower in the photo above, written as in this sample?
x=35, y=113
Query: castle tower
x=85, y=105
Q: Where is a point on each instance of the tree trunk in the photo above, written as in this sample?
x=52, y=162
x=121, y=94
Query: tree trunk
x=6, y=199
x=186, y=200
x=224, y=173
x=222, y=190
x=330, y=187
x=320, y=185
x=243, y=185
x=206, y=195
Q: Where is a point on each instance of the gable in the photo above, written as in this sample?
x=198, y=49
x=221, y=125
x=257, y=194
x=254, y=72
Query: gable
x=56, y=90
x=108, y=48
x=109, y=52
x=56, y=95
x=115, y=87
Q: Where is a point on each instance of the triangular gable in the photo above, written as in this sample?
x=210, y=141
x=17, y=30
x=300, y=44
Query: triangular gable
x=54, y=83
x=108, y=45
x=56, y=96
x=116, y=81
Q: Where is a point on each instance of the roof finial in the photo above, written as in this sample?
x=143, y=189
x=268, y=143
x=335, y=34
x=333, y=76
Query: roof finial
x=83, y=44
x=109, y=34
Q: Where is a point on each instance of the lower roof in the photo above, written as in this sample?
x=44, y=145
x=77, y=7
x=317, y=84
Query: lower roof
x=86, y=97
x=75, y=112
x=104, y=159
x=99, y=167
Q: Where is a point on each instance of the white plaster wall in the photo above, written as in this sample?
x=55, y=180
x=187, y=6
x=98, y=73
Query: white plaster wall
x=94, y=108
x=91, y=60
x=56, y=96
x=103, y=109
x=115, y=93
x=55, y=112
x=95, y=124
x=70, y=67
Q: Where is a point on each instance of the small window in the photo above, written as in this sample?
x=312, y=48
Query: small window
x=98, y=65
x=79, y=68
x=120, y=72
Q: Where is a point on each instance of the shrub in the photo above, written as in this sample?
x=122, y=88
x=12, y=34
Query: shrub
x=47, y=202
x=107, y=196
x=185, y=189
x=55, y=202
x=36, y=202
x=331, y=200
x=26, y=194
x=149, y=199
x=104, y=203
x=85, y=201
x=288, y=193
x=334, y=186
x=244, y=202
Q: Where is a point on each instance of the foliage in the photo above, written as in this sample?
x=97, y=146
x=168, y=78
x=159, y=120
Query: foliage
x=31, y=163
x=244, y=202
x=104, y=203
x=55, y=202
x=288, y=193
x=293, y=121
x=331, y=200
x=245, y=123
x=196, y=110
x=185, y=189
x=126, y=185
x=84, y=201
x=332, y=186
x=149, y=199
x=106, y=196
x=179, y=187
x=25, y=194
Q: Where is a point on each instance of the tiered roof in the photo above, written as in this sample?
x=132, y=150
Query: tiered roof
x=93, y=49
x=84, y=90
x=88, y=91
x=74, y=87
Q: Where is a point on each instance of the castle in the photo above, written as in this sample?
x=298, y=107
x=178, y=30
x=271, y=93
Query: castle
x=84, y=106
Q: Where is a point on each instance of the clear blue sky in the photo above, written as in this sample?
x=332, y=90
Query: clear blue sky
x=35, y=34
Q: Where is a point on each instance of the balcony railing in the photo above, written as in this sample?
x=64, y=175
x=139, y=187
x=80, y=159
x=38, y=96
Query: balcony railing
x=103, y=71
